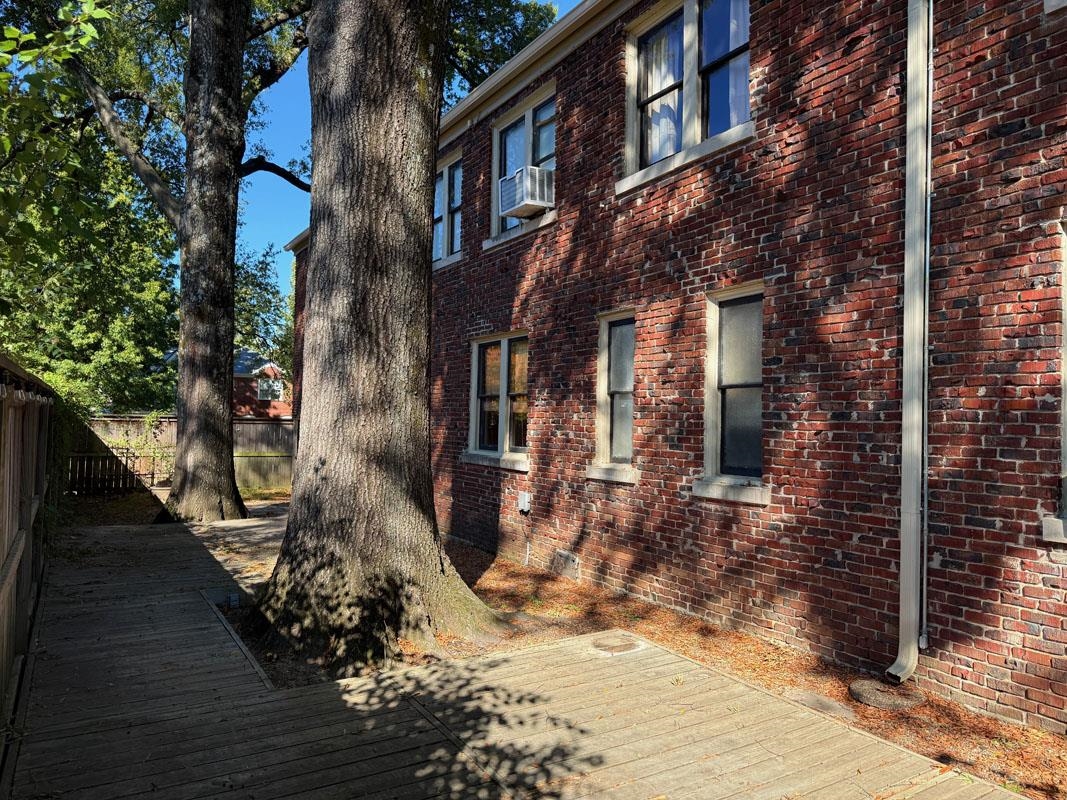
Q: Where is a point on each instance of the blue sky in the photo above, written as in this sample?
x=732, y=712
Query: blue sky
x=274, y=211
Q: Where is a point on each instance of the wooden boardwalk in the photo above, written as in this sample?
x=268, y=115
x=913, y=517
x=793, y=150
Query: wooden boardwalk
x=139, y=690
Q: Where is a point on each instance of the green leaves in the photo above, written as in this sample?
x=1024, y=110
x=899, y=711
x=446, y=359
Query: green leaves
x=40, y=132
x=90, y=302
x=485, y=34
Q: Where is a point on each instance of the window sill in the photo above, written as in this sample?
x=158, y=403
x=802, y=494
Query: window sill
x=613, y=473
x=1054, y=5
x=748, y=491
x=516, y=462
x=447, y=261
x=529, y=226
x=1052, y=530
x=734, y=136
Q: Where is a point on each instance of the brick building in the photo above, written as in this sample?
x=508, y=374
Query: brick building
x=260, y=389
x=711, y=370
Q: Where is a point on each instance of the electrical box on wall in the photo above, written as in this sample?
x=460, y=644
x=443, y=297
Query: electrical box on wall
x=524, y=502
x=1052, y=530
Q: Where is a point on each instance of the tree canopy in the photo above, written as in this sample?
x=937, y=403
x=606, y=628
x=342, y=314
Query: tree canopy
x=485, y=34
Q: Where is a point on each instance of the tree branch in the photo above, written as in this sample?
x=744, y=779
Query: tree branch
x=113, y=126
x=275, y=70
x=458, y=68
x=261, y=164
x=148, y=102
x=280, y=17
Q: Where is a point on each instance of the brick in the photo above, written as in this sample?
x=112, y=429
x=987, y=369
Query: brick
x=813, y=207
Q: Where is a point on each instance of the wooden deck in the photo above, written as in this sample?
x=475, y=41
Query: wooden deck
x=138, y=690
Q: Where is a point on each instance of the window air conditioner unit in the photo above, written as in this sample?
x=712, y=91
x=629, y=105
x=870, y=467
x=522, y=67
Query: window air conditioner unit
x=528, y=192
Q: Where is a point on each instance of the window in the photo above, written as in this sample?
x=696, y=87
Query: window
x=269, y=389
x=615, y=400
x=733, y=402
x=489, y=396
x=741, y=386
x=518, y=400
x=500, y=407
x=512, y=159
x=688, y=80
x=447, y=211
x=544, y=135
x=724, y=65
x=526, y=137
x=659, y=98
x=621, y=389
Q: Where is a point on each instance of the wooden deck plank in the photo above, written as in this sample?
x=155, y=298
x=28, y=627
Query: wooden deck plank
x=237, y=739
x=156, y=722
x=440, y=771
x=362, y=760
x=173, y=771
x=888, y=779
x=141, y=692
x=701, y=755
x=579, y=709
x=957, y=787
x=452, y=699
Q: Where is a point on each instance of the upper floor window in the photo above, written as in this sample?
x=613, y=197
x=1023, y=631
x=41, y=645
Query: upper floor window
x=447, y=211
x=525, y=137
x=724, y=64
x=659, y=97
x=689, y=78
x=269, y=389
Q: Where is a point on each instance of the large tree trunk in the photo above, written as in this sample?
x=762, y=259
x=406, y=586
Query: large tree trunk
x=362, y=561
x=205, y=487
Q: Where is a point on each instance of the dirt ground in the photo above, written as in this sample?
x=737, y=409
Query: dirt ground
x=1026, y=760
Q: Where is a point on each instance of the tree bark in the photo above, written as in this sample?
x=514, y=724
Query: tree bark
x=205, y=486
x=362, y=561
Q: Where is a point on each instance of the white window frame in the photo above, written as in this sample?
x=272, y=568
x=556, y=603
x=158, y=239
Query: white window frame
x=694, y=146
x=1052, y=527
x=272, y=382
x=525, y=111
x=444, y=164
x=714, y=484
x=503, y=456
x=603, y=468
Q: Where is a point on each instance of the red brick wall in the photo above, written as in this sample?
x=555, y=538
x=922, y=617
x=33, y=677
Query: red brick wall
x=813, y=207
x=997, y=594
x=246, y=402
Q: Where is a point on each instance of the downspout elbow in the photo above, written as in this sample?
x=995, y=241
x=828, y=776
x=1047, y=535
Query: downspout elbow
x=910, y=612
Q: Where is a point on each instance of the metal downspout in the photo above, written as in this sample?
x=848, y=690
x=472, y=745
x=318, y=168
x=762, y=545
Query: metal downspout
x=913, y=467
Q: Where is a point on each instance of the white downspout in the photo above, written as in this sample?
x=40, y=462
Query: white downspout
x=916, y=302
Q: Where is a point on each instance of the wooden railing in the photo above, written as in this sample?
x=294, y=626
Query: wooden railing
x=26, y=423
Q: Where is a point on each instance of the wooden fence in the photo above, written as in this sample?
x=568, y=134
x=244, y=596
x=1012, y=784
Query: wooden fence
x=26, y=438
x=120, y=454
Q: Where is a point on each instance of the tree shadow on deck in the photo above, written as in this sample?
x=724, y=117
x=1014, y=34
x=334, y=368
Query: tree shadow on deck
x=140, y=689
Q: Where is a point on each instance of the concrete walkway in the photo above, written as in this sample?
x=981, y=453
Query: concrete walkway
x=139, y=689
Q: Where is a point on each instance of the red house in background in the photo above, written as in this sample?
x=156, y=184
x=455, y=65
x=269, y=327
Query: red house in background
x=260, y=389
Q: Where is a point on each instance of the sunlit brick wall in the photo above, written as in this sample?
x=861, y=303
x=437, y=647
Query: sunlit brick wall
x=813, y=206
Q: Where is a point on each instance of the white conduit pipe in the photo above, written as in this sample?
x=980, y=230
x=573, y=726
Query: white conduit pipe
x=916, y=303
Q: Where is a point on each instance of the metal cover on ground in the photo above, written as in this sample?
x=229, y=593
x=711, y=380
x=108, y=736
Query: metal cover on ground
x=616, y=644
